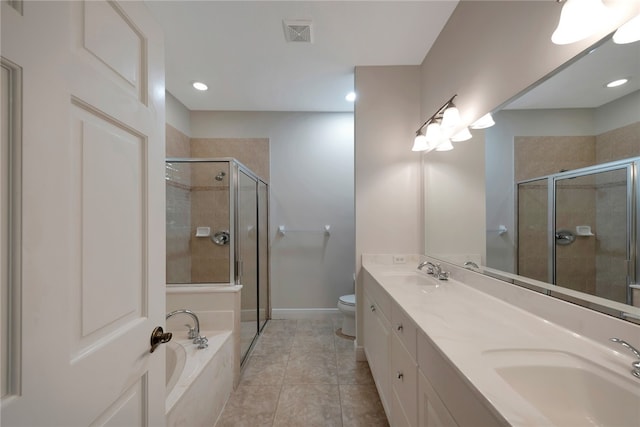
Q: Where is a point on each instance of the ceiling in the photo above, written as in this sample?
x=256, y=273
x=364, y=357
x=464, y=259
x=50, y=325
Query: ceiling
x=582, y=83
x=238, y=49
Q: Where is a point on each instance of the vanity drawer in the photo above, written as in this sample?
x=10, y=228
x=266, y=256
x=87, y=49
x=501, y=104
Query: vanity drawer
x=404, y=379
x=380, y=297
x=404, y=327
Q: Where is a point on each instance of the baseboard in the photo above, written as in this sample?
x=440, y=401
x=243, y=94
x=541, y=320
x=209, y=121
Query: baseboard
x=304, y=313
x=360, y=354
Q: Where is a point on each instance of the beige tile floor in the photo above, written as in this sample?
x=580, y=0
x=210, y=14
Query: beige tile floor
x=301, y=373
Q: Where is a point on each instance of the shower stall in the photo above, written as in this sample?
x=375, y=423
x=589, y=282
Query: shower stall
x=217, y=233
x=578, y=229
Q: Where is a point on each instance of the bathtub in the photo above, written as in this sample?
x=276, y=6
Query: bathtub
x=198, y=381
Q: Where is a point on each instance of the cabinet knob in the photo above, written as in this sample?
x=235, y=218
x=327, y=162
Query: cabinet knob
x=399, y=327
x=373, y=307
x=400, y=375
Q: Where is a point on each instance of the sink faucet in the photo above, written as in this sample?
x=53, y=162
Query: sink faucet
x=194, y=333
x=430, y=266
x=471, y=264
x=434, y=269
x=636, y=365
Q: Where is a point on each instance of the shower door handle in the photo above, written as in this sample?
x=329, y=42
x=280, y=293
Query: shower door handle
x=239, y=267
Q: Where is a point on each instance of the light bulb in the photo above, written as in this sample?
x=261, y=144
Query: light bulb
x=629, y=32
x=483, y=122
x=616, y=83
x=351, y=97
x=462, y=135
x=420, y=143
x=580, y=19
x=200, y=86
x=434, y=134
x=445, y=145
x=450, y=118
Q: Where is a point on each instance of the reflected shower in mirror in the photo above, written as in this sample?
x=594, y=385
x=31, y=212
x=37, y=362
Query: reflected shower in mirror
x=560, y=168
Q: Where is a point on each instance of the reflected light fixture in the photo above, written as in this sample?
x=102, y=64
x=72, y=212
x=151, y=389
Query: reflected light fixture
x=483, y=122
x=463, y=135
x=351, y=97
x=200, y=86
x=579, y=19
x=616, y=83
x=629, y=32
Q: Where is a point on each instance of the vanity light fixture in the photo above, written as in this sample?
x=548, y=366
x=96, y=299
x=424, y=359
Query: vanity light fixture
x=629, y=32
x=200, y=86
x=439, y=129
x=463, y=135
x=420, y=143
x=616, y=83
x=579, y=19
x=483, y=122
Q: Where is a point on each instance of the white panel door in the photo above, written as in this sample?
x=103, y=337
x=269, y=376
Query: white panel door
x=93, y=228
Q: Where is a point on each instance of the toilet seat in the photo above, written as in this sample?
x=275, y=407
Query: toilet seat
x=349, y=300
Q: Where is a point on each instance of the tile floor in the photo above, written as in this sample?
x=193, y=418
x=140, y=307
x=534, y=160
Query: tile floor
x=301, y=373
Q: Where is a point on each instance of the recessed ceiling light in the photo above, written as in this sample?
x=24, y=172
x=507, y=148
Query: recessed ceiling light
x=617, y=83
x=351, y=96
x=200, y=86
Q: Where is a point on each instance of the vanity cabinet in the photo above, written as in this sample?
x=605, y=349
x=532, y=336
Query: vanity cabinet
x=377, y=330
x=445, y=398
x=403, y=369
x=417, y=385
x=431, y=410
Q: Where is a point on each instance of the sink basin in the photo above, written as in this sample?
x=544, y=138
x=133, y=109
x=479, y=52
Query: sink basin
x=411, y=278
x=568, y=389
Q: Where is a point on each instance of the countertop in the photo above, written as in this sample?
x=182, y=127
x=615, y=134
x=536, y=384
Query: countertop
x=476, y=332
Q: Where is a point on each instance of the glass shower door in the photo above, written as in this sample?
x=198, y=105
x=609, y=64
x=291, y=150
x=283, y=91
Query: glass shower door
x=593, y=232
x=533, y=229
x=247, y=259
x=263, y=254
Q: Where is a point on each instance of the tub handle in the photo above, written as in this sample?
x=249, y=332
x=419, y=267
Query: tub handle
x=159, y=336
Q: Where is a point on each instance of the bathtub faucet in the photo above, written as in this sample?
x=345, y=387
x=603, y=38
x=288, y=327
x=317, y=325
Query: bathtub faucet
x=194, y=333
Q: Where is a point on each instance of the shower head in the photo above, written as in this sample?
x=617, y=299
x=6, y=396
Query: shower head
x=220, y=176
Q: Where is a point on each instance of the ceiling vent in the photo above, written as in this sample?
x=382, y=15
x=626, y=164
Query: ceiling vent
x=298, y=31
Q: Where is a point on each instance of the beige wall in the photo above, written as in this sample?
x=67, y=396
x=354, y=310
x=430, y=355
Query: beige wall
x=389, y=216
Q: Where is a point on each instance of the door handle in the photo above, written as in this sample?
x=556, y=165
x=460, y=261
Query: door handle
x=159, y=336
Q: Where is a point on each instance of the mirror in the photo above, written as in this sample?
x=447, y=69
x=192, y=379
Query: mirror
x=561, y=193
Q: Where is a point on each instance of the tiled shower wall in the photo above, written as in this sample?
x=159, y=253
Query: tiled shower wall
x=209, y=208
x=594, y=204
x=200, y=200
x=178, y=210
x=617, y=144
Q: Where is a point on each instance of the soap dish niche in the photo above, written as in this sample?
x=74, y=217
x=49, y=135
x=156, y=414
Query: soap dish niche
x=584, y=230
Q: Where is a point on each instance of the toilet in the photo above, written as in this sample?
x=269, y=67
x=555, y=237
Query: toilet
x=347, y=305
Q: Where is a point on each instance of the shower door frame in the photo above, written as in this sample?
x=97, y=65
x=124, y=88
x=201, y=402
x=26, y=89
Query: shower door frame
x=232, y=220
x=632, y=166
x=235, y=167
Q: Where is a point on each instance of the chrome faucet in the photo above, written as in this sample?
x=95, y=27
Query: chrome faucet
x=430, y=266
x=194, y=333
x=434, y=269
x=636, y=365
x=471, y=264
